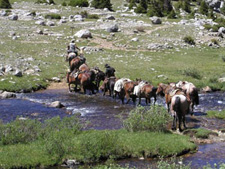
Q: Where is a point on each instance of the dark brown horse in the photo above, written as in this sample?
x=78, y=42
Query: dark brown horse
x=84, y=68
x=127, y=91
x=84, y=79
x=108, y=85
x=99, y=76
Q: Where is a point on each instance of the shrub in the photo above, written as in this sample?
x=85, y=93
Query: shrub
x=80, y=3
x=101, y=4
x=204, y=8
x=153, y=10
x=192, y=73
x=172, y=15
x=5, y=4
x=85, y=14
x=64, y=3
x=154, y=118
x=140, y=9
x=189, y=40
x=52, y=16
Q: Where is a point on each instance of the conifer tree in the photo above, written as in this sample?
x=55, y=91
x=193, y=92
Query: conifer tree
x=5, y=4
x=204, y=9
x=101, y=4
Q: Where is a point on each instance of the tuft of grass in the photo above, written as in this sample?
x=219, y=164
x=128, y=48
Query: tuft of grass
x=192, y=72
x=154, y=119
x=52, y=16
x=216, y=114
x=189, y=40
x=199, y=133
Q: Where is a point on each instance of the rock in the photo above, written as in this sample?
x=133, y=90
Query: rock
x=70, y=163
x=156, y=20
x=50, y=23
x=214, y=3
x=40, y=22
x=3, y=13
x=84, y=33
x=56, y=79
x=8, y=68
x=78, y=18
x=1, y=73
x=221, y=30
x=221, y=80
x=18, y=73
x=135, y=39
x=110, y=17
x=14, y=38
x=6, y=95
x=40, y=32
x=22, y=118
x=207, y=89
x=71, y=17
x=113, y=28
x=12, y=33
x=13, y=17
x=62, y=21
x=57, y=104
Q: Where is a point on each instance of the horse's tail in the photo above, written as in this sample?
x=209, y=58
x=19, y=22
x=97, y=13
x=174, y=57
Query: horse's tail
x=177, y=104
x=196, y=97
x=154, y=89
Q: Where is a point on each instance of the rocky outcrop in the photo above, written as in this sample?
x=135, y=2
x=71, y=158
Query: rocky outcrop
x=84, y=33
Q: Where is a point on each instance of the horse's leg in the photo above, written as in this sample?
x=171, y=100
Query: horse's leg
x=139, y=100
x=184, y=122
x=69, y=87
x=180, y=120
x=154, y=99
x=174, y=127
x=128, y=98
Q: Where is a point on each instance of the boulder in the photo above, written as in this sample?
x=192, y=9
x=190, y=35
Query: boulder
x=56, y=79
x=50, y=23
x=13, y=17
x=156, y=20
x=57, y=104
x=221, y=30
x=6, y=95
x=78, y=18
x=18, y=73
x=221, y=80
x=84, y=33
x=40, y=22
x=3, y=13
x=113, y=28
x=8, y=68
x=207, y=89
x=110, y=17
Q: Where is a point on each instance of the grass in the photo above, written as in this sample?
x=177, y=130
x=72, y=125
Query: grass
x=216, y=114
x=199, y=133
x=29, y=143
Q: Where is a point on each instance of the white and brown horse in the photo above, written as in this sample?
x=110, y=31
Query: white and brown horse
x=179, y=108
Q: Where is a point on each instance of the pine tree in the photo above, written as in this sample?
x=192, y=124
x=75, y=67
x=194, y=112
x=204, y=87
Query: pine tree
x=204, y=9
x=143, y=4
x=5, y=4
x=186, y=6
x=167, y=6
x=101, y=4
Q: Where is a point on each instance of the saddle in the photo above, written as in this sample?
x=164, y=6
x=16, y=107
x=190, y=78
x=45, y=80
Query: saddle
x=174, y=92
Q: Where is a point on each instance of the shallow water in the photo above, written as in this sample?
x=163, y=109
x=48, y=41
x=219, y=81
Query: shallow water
x=103, y=112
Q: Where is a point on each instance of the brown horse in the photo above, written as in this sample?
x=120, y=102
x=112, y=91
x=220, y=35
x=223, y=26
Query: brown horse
x=147, y=91
x=127, y=91
x=84, y=79
x=191, y=91
x=99, y=76
x=168, y=91
x=179, y=108
x=84, y=68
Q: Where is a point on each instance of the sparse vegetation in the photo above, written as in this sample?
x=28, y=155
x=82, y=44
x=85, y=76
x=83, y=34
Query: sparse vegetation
x=52, y=16
x=216, y=114
x=199, y=133
x=189, y=40
x=192, y=72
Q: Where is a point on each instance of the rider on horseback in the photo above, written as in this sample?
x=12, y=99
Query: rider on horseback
x=110, y=71
x=72, y=48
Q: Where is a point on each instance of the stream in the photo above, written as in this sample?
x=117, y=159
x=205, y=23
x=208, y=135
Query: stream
x=103, y=112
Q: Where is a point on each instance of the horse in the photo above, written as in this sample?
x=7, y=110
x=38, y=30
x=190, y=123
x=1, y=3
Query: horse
x=191, y=91
x=118, y=88
x=76, y=62
x=127, y=91
x=108, y=85
x=99, y=76
x=84, y=68
x=145, y=90
x=179, y=108
x=84, y=79
x=168, y=91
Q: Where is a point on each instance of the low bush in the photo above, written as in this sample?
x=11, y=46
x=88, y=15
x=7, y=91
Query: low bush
x=85, y=14
x=80, y=3
x=64, y=3
x=154, y=119
x=192, y=72
x=52, y=16
x=189, y=40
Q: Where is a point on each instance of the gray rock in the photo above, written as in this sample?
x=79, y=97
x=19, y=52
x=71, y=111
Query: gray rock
x=135, y=39
x=62, y=21
x=207, y=89
x=71, y=17
x=40, y=32
x=8, y=68
x=113, y=28
x=18, y=73
x=1, y=73
x=6, y=95
x=156, y=20
x=110, y=17
x=40, y=22
x=221, y=80
x=14, y=37
x=78, y=18
x=13, y=17
x=56, y=79
x=221, y=30
x=50, y=23
x=84, y=33
x=3, y=13
x=12, y=33
x=57, y=104
x=214, y=3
